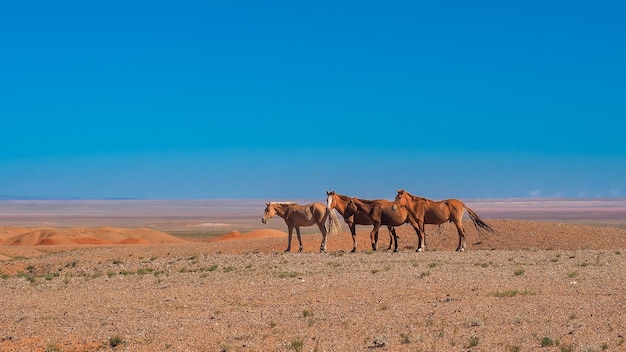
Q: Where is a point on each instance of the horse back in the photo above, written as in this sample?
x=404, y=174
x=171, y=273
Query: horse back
x=438, y=212
x=305, y=215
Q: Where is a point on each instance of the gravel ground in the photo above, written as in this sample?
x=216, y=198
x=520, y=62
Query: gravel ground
x=532, y=285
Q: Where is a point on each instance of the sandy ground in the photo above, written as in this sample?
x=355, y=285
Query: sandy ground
x=546, y=285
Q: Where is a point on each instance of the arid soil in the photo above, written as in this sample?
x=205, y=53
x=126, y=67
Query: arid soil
x=532, y=285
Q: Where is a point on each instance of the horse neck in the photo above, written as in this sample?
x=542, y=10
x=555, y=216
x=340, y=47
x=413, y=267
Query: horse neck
x=281, y=209
x=363, y=206
x=417, y=203
x=340, y=203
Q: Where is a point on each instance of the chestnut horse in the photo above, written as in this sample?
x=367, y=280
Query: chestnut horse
x=300, y=215
x=379, y=213
x=425, y=211
x=340, y=202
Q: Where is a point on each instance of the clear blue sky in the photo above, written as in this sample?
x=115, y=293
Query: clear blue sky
x=288, y=99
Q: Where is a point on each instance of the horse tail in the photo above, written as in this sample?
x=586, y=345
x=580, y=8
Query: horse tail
x=333, y=222
x=480, y=225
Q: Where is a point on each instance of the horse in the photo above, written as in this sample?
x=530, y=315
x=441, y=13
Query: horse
x=379, y=212
x=425, y=211
x=301, y=215
x=340, y=202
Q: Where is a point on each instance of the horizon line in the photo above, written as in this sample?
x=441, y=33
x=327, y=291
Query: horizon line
x=70, y=198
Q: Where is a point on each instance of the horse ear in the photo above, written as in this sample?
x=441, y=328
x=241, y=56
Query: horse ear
x=400, y=190
x=267, y=204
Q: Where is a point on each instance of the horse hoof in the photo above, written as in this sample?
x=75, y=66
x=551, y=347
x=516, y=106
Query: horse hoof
x=287, y=250
x=353, y=250
x=419, y=250
x=396, y=251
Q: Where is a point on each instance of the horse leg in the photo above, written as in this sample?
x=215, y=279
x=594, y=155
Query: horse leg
x=421, y=238
x=391, y=236
x=353, y=232
x=394, y=238
x=299, y=238
x=289, y=239
x=322, y=227
x=459, y=227
x=374, y=236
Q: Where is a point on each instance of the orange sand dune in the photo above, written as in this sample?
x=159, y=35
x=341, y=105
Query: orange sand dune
x=18, y=236
x=256, y=234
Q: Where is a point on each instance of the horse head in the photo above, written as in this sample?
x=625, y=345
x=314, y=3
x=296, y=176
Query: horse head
x=400, y=200
x=269, y=212
x=330, y=199
x=351, y=209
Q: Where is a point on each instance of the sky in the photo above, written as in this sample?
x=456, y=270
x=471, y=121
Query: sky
x=288, y=99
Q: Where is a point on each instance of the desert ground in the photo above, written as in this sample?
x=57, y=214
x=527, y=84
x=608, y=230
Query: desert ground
x=209, y=276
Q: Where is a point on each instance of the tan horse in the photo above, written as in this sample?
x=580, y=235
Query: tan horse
x=340, y=202
x=379, y=212
x=425, y=211
x=300, y=215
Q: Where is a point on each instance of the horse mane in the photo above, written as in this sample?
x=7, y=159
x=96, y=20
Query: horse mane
x=283, y=203
x=366, y=201
x=414, y=197
x=363, y=204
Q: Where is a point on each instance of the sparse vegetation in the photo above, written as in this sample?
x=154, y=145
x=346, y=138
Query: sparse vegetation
x=209, y=268
x=115, y=341
x=28, y=276
x=473, y=342
x=288, y=274
x=50, y=276
x=546, y=342
x=144, y=271
x=519, y=272
x=296, y=345
x=51, y=347
x=406, y=338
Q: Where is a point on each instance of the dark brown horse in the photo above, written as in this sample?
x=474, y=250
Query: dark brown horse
x=300, y=215
x=425, y=211
x=340, y=202
x=379, y=213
